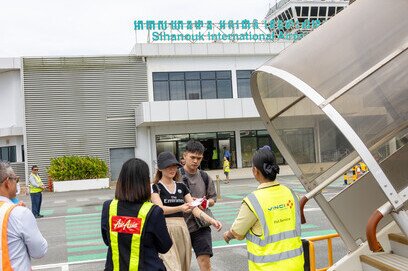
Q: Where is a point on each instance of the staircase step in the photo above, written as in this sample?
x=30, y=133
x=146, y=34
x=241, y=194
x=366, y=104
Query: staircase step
x=398, y=237
x=399, y=244
x=384, y=262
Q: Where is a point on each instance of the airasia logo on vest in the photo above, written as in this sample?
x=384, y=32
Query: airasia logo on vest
x=126, y=224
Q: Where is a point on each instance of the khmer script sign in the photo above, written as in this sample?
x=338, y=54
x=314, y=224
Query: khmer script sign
x=224, y=30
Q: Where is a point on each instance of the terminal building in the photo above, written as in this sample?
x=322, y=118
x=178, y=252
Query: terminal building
x=154, y=99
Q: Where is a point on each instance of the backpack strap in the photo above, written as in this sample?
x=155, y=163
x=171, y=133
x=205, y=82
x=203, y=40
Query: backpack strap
x=205, y=178
x=203, y=174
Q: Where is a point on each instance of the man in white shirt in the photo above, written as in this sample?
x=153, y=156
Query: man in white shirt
x=24, y=239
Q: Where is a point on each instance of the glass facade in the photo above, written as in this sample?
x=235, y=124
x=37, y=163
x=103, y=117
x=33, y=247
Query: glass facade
x=192, y=85
x=8, y=153
x=315, y=12
x=214, y=143
x=252, y=140
x=243, y=83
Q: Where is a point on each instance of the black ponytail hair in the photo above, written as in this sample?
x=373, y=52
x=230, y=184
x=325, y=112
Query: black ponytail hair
x=264, y=160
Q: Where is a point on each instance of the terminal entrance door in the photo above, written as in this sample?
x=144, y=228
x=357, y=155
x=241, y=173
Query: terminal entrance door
x=213, y=143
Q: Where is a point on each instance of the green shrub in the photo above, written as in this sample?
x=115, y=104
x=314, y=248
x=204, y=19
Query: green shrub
x=77, y=168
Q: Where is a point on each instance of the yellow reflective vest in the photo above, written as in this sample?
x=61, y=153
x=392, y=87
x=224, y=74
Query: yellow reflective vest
x=280, y=246
x=129, y=225
x=34, y=189
x=215, y=154
x=363, y=166
x=5, y=209
x=226, y=166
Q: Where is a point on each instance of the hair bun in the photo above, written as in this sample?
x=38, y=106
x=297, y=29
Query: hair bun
x=268, y=168
x=276, y=169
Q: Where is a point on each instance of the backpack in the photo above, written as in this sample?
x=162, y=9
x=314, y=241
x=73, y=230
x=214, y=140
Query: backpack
x=200, y=223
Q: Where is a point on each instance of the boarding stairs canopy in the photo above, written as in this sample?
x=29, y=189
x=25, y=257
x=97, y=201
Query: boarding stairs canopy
x=351, y=77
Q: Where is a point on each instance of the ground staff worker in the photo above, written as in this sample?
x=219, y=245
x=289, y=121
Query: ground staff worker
x=36, y=187
x=132, y=227
x=20, y=238
x=269, y=219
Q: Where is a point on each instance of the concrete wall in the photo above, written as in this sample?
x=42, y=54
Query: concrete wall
x=153, y=113
x=11, y=103
x=11, y=107
x=81, y=105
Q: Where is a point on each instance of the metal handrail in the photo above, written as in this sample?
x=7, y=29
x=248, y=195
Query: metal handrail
x=329, y=238
x=377, y=215
x=371, y=232
x=302, y=204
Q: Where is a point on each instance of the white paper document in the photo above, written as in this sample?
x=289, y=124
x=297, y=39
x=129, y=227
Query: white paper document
x=197, y=202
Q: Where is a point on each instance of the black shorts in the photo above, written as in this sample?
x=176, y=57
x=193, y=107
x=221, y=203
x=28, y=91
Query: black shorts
x=202, y=242
x=226, y=173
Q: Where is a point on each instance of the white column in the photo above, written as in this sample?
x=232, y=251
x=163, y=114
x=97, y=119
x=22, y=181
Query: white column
x=234, y=84
x=146, y=147
x=238, y=148
x=19, y=156
x=149, y=81
x=152, y=150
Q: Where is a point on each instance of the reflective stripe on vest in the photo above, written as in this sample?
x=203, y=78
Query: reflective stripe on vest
x=284, y=242
x=5, y=209
x=276, y=257
x=274, y=237
x=136, y=236
x=34, y=189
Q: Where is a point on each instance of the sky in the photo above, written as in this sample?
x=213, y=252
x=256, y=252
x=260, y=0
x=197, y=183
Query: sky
x=101, y=27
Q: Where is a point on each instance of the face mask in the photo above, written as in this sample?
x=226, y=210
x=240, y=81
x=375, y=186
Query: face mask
x=18, y=189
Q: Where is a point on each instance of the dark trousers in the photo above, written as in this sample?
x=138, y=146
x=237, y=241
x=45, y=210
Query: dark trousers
x=36, y=199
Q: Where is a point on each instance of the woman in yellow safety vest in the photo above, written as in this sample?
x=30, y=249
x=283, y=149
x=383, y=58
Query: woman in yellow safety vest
x=269, y=219
x=133, y=228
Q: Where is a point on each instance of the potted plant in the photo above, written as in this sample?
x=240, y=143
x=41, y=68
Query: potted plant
x=73, y=173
